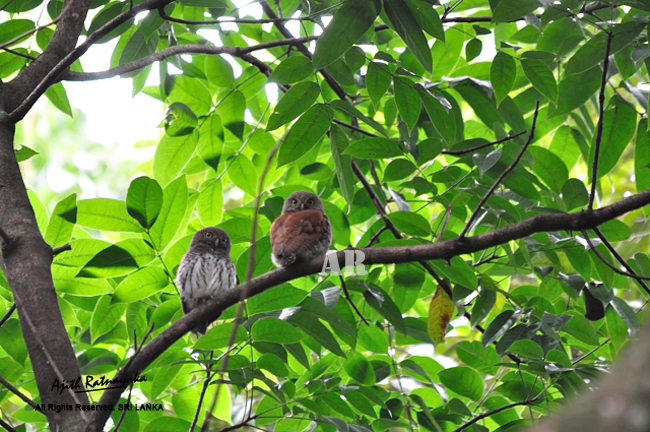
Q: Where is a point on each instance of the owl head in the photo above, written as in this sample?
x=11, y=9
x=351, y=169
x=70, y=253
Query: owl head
x=211, y=238
x=302, y=200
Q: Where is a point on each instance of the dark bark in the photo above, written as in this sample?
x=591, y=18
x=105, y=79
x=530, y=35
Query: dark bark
x=26, y=263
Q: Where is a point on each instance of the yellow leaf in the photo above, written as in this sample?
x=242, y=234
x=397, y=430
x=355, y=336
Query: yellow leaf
x=441, y=310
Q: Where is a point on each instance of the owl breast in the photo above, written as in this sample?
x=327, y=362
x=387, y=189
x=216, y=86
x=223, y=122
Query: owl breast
x=203, y=276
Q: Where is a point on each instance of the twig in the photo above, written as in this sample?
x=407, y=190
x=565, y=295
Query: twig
x=233, y=20
x=610, y=265
x=60, y=249
x=374, y=238
x=18, y=393
x=355, y=128
x=480, y=146
x=35, y=29
x=502, y=176
x=620, y=259
x=10, y=311
x=19, y=54
x=7, y=426
x=184, y=49
x=498, y=410
x=204, y=388
x=347, y=296
x=599, y=125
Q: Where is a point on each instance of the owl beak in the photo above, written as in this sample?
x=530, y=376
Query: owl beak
x=302, y=206
x=216, y=243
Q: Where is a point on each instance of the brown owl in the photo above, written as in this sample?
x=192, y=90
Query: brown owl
x=206, y=270
x=302, y=231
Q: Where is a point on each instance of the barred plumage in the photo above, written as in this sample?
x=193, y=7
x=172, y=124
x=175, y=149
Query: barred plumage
x=206, y=270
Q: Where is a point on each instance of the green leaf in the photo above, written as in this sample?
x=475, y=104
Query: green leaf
x=106, y=214
x=615, y=230
x=136, y=48
x=347, y=108
x=294, y=102
x=179, y=120
x=167, y=424
x=210, y=203
x=472, y=49
x=105, y=317
x=510, y=10
x=172, y=154
x=499, y=326
x=211, y=137
x=305, y=133
x=399, y=169
x=574, y=194
x=484, y=162
x=427, y=18
x=619, y=125
x=218, y=70
x=270, y=329
x=549, y=168
x=191, y=92
x=580, y=328
x=13, y=28
x=406, y=25
x=541, y=77
x=378, y=79
x=280, y=297
x=626, y=313
x=119, y=259
x=410, y=223
x=379, y=300
x=463, y=380
x=342, y=163
x=373, y=339
x=575, y=90
x=12, y=341
x=141, y=284
x=374, y=148
x=292, y=70
x=62, y=222
x=359, y=369
x=57, y=95
x=24, y=153
x=218, y=337
x=171, y=214
x=144, y=200
x=593, y=51
x=311, y=326
x=408, y=102
x=243, y=174
x=503, y=72
x=349, y=23
x=565, y=146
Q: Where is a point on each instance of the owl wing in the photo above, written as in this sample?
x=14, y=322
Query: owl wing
x=298, y=232
x=222, y=275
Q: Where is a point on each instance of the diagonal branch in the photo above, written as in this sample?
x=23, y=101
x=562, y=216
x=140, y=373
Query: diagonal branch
x=481, y=146
x=620, y=259
x=18, y=393
x=502, y=176
x=599, y=125
x=392, y=255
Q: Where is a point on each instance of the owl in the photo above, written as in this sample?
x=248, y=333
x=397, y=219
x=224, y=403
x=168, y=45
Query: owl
x=206, y=270
x=301, y=232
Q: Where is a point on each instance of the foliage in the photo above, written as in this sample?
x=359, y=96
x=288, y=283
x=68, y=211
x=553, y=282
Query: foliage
x=395, y=112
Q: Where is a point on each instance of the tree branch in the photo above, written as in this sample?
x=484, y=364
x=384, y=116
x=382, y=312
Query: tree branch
x=610, y=265
x=599, y=125
x=187, y=49
x=620, y=259
x=502, y=176
x=10, y=311
x=392, y=255
x=17, y=392
x=481, y=146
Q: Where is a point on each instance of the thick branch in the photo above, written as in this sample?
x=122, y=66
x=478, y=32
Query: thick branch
x=185, y=49
x=443, y=250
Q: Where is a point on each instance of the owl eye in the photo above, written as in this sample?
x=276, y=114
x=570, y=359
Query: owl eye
x=224, y=239
x=294, y=201
x=208, y=234
x=310, y=202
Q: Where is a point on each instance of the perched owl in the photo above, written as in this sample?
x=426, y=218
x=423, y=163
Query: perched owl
x=206, y=270
x=302, y=231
